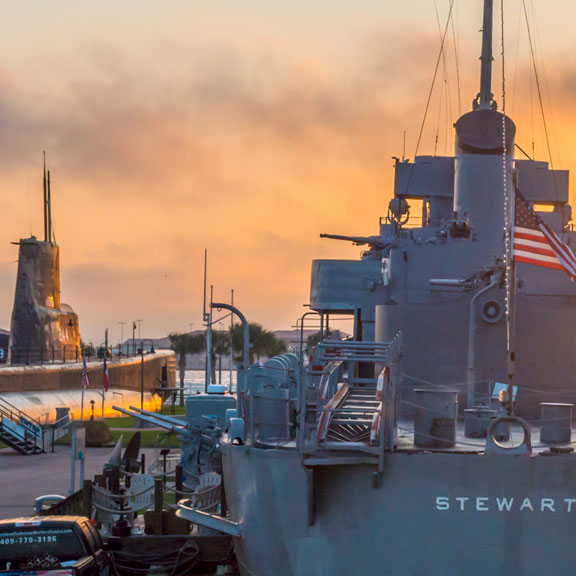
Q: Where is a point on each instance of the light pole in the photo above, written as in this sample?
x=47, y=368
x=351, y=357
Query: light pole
x=220, y=336
x=240, y=390
x=121, y=338
x=142, y=342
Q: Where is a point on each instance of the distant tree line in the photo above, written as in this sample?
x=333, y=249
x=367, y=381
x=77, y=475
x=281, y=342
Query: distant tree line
x=264, y=344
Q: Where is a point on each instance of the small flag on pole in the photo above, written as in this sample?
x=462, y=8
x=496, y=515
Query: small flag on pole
x=85, y=379
x=105, y=382
x=536, y=243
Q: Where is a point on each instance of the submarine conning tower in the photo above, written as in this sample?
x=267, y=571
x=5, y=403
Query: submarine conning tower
x=42, y=329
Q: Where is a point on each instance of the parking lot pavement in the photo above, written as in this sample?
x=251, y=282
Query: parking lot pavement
x=23, y=478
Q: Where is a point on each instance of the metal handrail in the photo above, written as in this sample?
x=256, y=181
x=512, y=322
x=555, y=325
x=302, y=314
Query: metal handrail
x=17, y=411
x=14, y=414
x=31, y=355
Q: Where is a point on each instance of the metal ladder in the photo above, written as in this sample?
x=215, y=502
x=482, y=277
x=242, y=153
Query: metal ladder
x=353, y=416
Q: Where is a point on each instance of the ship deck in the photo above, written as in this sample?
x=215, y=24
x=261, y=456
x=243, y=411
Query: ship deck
x=405, y=440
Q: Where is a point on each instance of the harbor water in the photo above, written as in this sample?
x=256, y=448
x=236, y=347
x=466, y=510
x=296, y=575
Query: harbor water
x=195, y=381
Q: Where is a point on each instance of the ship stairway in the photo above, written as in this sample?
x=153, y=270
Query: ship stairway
x=19, y=431
x=351, y=416
x=354, y=408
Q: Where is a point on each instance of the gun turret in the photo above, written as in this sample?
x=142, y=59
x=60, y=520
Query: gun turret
x=375, y=242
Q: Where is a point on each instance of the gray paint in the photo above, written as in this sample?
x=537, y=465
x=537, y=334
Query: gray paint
x=357, y=508
x=360, y=529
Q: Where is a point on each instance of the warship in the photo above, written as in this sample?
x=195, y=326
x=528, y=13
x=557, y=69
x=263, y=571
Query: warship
x=438, y=440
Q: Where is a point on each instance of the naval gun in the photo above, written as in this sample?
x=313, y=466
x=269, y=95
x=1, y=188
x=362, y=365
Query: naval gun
x=374, y=242
x=199, y=440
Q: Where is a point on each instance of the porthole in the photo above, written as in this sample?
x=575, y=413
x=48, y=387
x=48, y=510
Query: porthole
x=491, y=311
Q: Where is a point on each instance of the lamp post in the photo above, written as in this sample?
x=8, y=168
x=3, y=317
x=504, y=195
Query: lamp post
x=240, y=389
x=121, y=338
x=220, y=336
x=141, y=376
x=142, y=342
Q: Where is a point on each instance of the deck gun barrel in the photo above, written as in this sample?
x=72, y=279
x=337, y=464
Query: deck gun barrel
x=160, y=417
x=375, y=242
x=162, y=422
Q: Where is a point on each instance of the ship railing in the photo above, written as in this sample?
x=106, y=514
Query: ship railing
x=329, y=380
x=28, y=355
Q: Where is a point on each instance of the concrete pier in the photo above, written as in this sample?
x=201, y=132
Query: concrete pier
x=39, y=390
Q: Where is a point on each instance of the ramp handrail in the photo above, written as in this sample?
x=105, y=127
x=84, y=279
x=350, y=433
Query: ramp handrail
x=11, y=410
x=329, y=398
x=16, y=416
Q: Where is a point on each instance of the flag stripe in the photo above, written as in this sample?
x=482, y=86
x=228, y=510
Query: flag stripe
x=536, y=243
x=564, y=253
x=85, y=379
x=539, y=257
x=555, y=266
x=535, y=250
x=528, y=234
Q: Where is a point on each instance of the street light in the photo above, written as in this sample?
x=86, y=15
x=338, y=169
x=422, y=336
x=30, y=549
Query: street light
x=152, y=351
x=121, y=338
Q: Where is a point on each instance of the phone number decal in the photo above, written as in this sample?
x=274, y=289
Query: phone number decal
x=27, y=540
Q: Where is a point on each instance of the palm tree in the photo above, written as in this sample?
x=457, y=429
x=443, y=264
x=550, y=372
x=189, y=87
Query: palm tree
x=263, y=342
x=183, y=344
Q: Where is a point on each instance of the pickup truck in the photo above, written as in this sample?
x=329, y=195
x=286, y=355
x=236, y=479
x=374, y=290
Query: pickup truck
x=51, y=546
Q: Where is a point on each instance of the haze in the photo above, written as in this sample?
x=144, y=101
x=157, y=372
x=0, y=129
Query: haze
x=246, y=128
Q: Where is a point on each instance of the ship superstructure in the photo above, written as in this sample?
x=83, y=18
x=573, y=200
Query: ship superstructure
x=442, y=282
x=363, y=461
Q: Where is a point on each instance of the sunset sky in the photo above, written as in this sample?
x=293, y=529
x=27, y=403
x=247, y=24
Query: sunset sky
x=243, y=127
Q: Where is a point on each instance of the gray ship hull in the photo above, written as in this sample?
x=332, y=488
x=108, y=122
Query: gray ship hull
x=433, y=514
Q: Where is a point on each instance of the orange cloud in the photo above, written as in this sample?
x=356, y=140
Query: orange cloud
x=248, y=153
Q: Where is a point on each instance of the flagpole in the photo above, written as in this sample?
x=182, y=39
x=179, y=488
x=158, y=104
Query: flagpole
x=82, y=405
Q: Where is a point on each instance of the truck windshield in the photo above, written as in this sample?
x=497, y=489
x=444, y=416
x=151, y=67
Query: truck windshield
x=23, y=544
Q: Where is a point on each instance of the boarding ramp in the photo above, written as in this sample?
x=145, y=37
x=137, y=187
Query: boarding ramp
x=350, y=407
x=20, y=431
x=347, y=415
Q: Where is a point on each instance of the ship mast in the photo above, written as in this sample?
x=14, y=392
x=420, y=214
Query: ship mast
x=485, y=98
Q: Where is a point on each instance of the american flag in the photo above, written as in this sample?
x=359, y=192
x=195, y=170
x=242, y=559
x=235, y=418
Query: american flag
x=105, y=382
x=85, y=379
x=536, y=243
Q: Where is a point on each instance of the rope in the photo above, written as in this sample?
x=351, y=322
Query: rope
x=538, y=89
x=444, y=91
x=457, y=61
x=434, y=79
x=175, y=561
